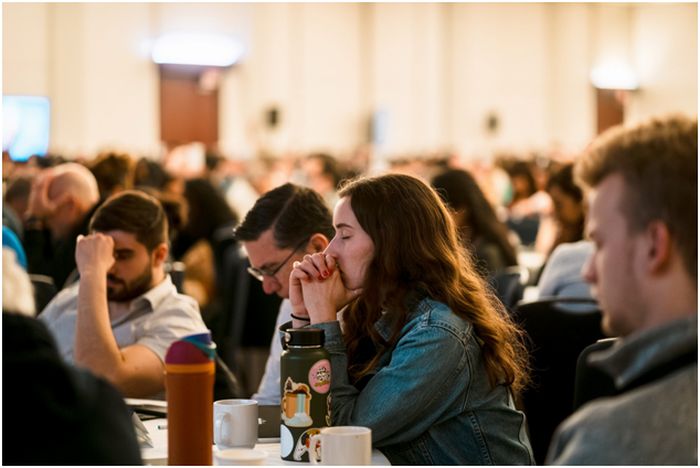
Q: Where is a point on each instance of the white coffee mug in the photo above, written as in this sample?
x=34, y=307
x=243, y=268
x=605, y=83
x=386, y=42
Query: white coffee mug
x=240, y=456
x=235, y=423
x=341, y=445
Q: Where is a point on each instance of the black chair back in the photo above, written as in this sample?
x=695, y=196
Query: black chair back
x=556, y=338
x=248, y=314
x=44, y=290
x=177, y=274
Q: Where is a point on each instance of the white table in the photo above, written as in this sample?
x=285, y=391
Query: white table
x=158, y=454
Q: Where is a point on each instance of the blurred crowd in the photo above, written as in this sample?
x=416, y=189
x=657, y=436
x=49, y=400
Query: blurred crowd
x=512, y=204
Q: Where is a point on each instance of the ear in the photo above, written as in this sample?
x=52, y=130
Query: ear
x=72, y=206
x=160, y=254
x=658, y=246
x=319, y=242
x=67, y=199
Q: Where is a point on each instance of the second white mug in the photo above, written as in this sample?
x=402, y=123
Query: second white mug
x=235, y=423
x=341, y=445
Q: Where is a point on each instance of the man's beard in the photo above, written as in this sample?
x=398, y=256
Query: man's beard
x=131, y=290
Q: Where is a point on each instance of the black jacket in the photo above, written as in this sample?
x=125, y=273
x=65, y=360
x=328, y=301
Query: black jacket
x=56, y=414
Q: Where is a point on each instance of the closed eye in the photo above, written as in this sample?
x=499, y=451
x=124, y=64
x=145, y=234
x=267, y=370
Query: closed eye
x=123, y=255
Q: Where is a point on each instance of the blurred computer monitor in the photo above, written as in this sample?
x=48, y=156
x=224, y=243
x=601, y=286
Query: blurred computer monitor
x=25, y=126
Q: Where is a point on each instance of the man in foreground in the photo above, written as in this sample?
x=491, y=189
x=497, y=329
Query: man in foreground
x=122, y=316
x=643, y=222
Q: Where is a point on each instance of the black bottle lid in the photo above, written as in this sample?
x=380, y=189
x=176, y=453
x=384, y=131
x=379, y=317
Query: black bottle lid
x=304, y=337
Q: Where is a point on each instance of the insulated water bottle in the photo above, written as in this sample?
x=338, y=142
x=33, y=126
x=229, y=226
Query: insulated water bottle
x=305, y=380
x=189, y=389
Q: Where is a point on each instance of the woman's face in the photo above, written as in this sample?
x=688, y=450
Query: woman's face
x=352, y=247
x=566, y=209
x=521, y=186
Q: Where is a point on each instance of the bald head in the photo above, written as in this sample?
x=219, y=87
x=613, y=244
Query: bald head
x=63, y=195
x=75, y=181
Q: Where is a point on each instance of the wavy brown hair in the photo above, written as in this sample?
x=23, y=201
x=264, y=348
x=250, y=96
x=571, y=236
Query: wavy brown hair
x=417, y=249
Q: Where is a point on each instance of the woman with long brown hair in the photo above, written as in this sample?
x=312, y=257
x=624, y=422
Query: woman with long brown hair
x=427, y=358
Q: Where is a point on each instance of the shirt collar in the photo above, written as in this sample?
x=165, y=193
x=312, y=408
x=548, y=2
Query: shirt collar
x=156, y=295
x=151, y=299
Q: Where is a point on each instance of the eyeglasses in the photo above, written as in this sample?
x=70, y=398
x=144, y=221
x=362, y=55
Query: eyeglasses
x=260, y=273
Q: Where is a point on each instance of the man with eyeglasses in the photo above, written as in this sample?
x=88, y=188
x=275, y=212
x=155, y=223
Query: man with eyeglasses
x=285, y=224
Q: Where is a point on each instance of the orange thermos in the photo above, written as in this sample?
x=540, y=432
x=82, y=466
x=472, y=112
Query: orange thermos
x=189, y=389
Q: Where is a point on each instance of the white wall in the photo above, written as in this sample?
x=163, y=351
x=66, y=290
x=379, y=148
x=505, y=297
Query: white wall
x=85, y=57
x=326, y=76
x=66, y=75
x=500, y=65
x=437, y=70
x=665, y=41
x=405, y=67
x=120, y=87
x=572, y=113
x=25, y=53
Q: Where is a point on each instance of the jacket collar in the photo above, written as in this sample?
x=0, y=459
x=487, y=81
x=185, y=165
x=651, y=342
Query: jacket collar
x=631, y=358
x=415, y=305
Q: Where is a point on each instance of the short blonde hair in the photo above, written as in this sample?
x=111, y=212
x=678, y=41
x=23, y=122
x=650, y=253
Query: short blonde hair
x=658, y=160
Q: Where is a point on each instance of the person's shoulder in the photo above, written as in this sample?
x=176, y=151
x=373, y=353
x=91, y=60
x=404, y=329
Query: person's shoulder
x=432, y=314
x=65, y=301
x=572, y=250
x=179, y=304
x=175, y=311
x=103, y=419
x=69, y=292
x=165, y=297
x=591, y=428
x=636, y=405
x=629, y=428
x=185, y=300
x=25, y=336
x=561, y=275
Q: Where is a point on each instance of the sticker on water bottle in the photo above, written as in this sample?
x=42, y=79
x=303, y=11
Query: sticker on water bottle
x=304, y=443
x=296, y=404
x=286, y=441
x=320, y=376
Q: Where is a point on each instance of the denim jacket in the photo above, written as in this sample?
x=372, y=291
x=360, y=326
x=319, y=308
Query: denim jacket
x=430, y=401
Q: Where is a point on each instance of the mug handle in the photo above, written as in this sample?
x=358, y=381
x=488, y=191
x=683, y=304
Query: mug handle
x=219, y=437
x=315, y=449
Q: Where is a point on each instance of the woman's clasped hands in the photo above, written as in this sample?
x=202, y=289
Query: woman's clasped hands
x=316, y=288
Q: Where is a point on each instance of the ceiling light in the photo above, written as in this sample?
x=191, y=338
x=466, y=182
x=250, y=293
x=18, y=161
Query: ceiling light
x=197, y=49
x=614, y=75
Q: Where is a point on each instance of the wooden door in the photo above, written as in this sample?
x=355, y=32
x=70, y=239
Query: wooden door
x=610, y=108
x=188, y=111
